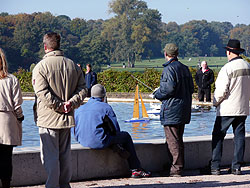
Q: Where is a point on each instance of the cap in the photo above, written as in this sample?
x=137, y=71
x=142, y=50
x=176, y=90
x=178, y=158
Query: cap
x=98, y=91
x=171, y=49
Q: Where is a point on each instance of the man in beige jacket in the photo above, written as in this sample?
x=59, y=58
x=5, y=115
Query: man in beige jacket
x=60, y=88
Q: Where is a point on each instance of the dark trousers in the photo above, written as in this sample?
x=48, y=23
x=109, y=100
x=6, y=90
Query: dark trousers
x=206, y=92
x=222, y=123
x=126, y=142
x=175, y=146
x=6, y=164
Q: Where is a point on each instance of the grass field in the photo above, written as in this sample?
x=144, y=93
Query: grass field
x=214, y=63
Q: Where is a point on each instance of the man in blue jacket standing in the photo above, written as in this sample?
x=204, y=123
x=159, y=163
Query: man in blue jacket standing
x=97, y=128
x=175, y=93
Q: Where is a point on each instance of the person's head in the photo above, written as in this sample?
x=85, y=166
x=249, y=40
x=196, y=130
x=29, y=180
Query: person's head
x=3, y=65
x=233, y=48
x=204, y=64
x=51, y=41
x=88, y=67
x=170, y=51
x=98, y=91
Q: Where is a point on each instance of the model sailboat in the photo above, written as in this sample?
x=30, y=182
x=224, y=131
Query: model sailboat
x=136, y=114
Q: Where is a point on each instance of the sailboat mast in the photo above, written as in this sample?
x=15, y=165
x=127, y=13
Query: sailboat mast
x=136, y=104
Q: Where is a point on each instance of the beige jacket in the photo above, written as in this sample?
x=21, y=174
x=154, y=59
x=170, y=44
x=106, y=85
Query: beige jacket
x=57, y=79
x=232, y=91
x=10, y=110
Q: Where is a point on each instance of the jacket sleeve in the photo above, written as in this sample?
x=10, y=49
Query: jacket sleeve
x=167, y=85
x=17, y=99
x=41, y=88
x=222, y=87
x=197, y=79
x=93, y=78
x=80, y=92
x=112, y=117
x=211, y=77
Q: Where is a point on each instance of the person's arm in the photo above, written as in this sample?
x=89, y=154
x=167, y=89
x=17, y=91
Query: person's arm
x=211, y=80
x=41, y=88
x=222, y=87
x=167, y=85
x=93, y=78
x=80, y=92
x=17, y=101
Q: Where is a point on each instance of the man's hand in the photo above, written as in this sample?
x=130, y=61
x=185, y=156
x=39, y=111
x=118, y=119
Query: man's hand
x=67, y=107
x=152, y=95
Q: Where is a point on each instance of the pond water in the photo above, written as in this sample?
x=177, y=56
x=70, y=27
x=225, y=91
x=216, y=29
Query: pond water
x=201, y=124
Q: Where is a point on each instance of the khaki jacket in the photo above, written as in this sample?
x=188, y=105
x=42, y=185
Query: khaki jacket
x=10, y=110
x=232, y=93
x=57, y=79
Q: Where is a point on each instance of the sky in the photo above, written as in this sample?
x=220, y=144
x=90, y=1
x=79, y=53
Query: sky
x=179, y=11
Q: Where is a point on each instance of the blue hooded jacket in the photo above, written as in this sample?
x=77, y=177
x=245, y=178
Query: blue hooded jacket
x=89, y=130
x=175, y=92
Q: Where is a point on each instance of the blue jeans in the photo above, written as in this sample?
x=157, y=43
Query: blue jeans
x=124, y=139
x=222, y=123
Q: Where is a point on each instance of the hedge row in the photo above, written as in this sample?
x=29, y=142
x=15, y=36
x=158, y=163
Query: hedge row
x=114, y=81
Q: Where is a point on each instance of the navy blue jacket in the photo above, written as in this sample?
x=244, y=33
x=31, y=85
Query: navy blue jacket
x=90, y=79
x=175, y=92
x=89, y=130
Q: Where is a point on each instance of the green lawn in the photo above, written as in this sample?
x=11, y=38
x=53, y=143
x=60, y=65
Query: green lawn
x=215, y=63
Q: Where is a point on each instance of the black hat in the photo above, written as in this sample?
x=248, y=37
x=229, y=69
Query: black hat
x=233, y=45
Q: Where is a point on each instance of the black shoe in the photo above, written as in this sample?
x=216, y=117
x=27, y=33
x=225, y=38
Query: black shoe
x=215, y=172
x=234, y=171
x=121, y=151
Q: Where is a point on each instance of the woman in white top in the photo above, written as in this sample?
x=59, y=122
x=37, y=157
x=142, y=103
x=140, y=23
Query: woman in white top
x=11, y=117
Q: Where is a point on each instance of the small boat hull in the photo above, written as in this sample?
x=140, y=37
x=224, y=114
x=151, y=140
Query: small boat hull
x=136, y=120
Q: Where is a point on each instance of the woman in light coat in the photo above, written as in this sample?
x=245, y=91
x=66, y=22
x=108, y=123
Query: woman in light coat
x=11, y=117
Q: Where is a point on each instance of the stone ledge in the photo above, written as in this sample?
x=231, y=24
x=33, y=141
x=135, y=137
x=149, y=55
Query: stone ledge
x=91, y=164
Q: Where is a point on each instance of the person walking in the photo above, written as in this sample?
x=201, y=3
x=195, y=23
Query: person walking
x=11, y=117
x=231, y=99
x=90, y=78
x=175, y=93
x=60, y=88
x=204, y=77
x=97, y=127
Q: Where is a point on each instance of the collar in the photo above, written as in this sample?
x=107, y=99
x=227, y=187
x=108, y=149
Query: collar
x=96, y=99
x=239, y=57
x=53, y=53
x=170, y=61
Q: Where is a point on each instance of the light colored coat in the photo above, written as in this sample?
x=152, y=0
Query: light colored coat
x=57, y=79
x=10, y=110
x=232, y=91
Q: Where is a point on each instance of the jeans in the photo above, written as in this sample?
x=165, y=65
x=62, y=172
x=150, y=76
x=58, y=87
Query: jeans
x=126, y=142
x=222, y=123
x=175, y=146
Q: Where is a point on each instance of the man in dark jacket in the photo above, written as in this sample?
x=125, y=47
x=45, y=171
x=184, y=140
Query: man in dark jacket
x=97, y=128
x=90, y=79
x=204, y=78
x=175, y=92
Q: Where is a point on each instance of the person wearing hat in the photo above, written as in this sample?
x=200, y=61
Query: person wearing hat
x=97, y=128
x=231, y=99
x=175, y=93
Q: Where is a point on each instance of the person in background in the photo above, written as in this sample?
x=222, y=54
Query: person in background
x=175, y=93
x=90, y=78
x=204, y=78
x=231, y=99
x=11, y=117
x=97, y=127
x=60, y=88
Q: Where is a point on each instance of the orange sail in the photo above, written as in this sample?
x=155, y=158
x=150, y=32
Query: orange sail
x=144, y=111
x=136, y=104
